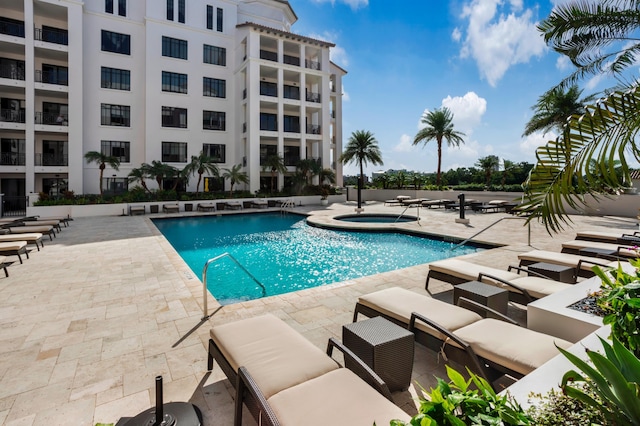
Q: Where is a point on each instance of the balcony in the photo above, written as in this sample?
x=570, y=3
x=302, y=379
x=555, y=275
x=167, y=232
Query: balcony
x=268, y=89
x=291, y=60
x=292, y=128
x=51, y=119
x=11, y=27
x=312, y=65
x=52, y=35
x=12, y=72
x=11, y=116
x=52, y=160
x=314, y=129
x=51, y=78
x=291, y=92
x=12, y=159
x=268, y=55
x=313, y=97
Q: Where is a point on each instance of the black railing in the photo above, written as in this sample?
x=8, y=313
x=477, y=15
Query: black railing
x=314, y=129
x=11, y=27
x=52, y=160
x=268, y=55
x=49, y=77
x=11, y=72
x=52, y=35
x=51, y=119
x=291, y=60
x=291, y=92
x=312, y=65
x=292, y=128
x=14, y=206
x=12, y=116
x=313, y=97
x=12, y=159
x=244, y=127
x=244, y=93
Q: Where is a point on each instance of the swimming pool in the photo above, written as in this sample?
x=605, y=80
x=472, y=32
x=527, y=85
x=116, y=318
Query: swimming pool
x=286, y=254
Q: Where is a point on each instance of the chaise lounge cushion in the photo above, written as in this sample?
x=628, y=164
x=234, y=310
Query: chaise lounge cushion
x=561, y=259
x=537, y=287
x=344, y=396
x=277, y=356
x=468, y=270
x=516, y=348
x=399, y=303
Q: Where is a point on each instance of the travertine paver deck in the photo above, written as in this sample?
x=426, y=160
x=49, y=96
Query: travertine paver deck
x=89, y=321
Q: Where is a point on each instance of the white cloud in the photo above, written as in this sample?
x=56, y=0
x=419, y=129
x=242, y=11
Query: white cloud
x=467, y=111
x=530, y=143
x=338, y=55
x=594, y=81
x=456, y=35
x=497, y=41
x=353, y=4
x=563, y=63
x=405, y=144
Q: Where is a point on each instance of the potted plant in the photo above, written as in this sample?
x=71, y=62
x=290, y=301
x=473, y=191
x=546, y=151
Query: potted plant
x=324, y=197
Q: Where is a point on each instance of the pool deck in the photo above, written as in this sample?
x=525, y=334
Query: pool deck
x=89, y=321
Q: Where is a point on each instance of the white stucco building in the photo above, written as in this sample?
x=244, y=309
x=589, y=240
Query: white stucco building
x=159, y=80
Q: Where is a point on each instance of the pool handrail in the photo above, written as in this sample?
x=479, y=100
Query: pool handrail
x=205, y=308
x=494, y=223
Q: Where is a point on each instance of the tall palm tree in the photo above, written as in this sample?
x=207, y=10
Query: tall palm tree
x=362, y=148
x=234, y=175
x=102, y=160
x=554, y=108
x=488, y=164
x=139, y=175
x=201, y=164
x=439, y=127
x=275, y=164
x=158, y=170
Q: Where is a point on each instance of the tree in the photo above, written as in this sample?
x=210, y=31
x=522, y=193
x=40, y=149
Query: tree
x=327, y=175
x=102, y=160
x=159, y=171
x=554, y=108
x=309, y=168
x=439, y=127
x=234, y=175
x=509, y=167
x=275, y=164
x=139, y=175
x=488, y=164
x=362, y=148
x=201, y=164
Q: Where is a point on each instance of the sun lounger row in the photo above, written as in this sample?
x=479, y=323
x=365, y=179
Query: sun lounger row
x=284, y=379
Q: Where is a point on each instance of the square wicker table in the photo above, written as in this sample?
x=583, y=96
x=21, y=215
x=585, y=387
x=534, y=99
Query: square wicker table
x=490, y=296
x=565, y=274
x=385, y=347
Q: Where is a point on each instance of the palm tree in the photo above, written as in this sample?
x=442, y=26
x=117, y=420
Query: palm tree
x=234, y=175
x=102, y=160
x=488, y=164
x=201, y=164
x=554, y=108
x=275, y=164
x=308, y=168
x=327, y=175
x=439, y=126
x=158, y=171
x=362, y=148
x=508, y=171
x=139, y=175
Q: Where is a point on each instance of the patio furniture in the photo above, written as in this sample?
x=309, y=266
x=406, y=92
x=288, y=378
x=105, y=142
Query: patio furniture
x=436, y=203
x=396, y=201
x=4, y=264
x=233, y=205
x=54, y=223
x=136, y=210
x=581, y=264
x=14, y=248
x=599, y=249
x=487, y=295
x=30, y=238
x=42, y=229
x=206, y=207
x=383, y=346
x=260, y=204
x=628, y=237
x=170, y=208
x=562, y=273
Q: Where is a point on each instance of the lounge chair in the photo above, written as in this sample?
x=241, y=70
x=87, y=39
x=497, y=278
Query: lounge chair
x=14, y=248
x=170, y=208
x=493, y=206
x=436, y=203
x=614, y=237
x=488, y=346
x=233, y=205
x=396, y=201
x=582, y=264
x=4, y=264
x=624, y=251
x=522, y=288
x=137, y=210
x=30, y=238
x=285, y=379
x=63, y=219
x=206, y=207
x=411, y=201
x=42, y=229
x=260, y=204
x=54, y=222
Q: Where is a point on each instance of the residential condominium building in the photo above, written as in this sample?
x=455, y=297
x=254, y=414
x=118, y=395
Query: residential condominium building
x=160, y=80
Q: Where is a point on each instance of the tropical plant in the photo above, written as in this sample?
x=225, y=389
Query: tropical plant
x=275, y=164
x=555, y=408
x=201, y=164
x=620, y=299
x=554, y=108
x=158, y=170
x=439, y=126
x=308, y=168
x=102, y=160
x=362, y=148
x=234, y=175
x=458, y=403
x=488, y=164
x=327, y=176
x=139, y=174
x=614, y=378
x=509, y=167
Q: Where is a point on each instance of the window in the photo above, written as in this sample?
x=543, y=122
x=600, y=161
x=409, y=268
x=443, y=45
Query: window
x=115, y=115
x=209, y=17
x=12, y=152
x=54, y=153
x=174, y=48
x=108, y=6
x=214, y=55
x=122, y=7
x=214, y=151
x=219, y=17
x=268, y=121
x=291, y=123
x=214, y=87
x=116, y=42
x=117, y=149
x=214, y=120
x=291, y=155
x=268, y=88
x=54, y=74
x=181, y=11
x=174, y=117
x=170, y=10
x=114, y=78
x=12, y=68
x=267, y=151
x=291, y=92
x=53, y=113
x=174, y=82
x=174, y=152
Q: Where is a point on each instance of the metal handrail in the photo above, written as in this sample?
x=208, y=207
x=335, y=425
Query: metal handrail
x=407, y=208
x=497, y=221
x=205, y=308
x=289, y=203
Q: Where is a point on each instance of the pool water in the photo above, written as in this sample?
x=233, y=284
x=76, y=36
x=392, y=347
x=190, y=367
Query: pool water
x=285, y=254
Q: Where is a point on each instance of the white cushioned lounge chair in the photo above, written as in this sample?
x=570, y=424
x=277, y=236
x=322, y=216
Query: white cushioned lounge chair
x=30, y=238
x=14, y=248
x=41, y=229
x=582, y=264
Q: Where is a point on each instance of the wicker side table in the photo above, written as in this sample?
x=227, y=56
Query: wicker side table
x=565, y=274
x=383, y=346
x=491, y=296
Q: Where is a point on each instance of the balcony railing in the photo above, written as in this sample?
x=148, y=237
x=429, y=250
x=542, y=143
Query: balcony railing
x=268, y=55
x=291, y=60
x=314, y=129
x=312, y=65
x=333, y=114
x=51, y=119
x=12, y=159
x=292, y=128
x=52, y=160
x=11, y=72
x=12, y=116
x=51, y=78
x=313, y=97
x=12, y=27
x=52, y=35
x=244, y=93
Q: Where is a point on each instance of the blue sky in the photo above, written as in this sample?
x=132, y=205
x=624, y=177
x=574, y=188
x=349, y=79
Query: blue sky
x=483, y=59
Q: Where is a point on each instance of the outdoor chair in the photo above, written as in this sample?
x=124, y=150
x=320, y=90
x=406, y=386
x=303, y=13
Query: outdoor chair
x=615, y=250
x=629, y=237
x=4, y=264
x=14, y=248
x=42, y=229
x=53, y=222
x=30, y=238
x=437, y=203
x=233, y=205
x=284, y=379
x=206, y=207
x=171, y=208
x=260, y=204
x=582, y=264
